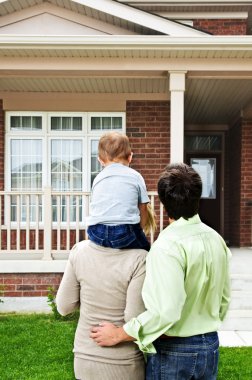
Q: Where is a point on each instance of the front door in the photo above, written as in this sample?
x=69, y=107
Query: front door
x=207, y=161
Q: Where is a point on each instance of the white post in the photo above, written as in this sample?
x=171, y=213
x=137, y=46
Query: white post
x=177, y=89
x=47, y=224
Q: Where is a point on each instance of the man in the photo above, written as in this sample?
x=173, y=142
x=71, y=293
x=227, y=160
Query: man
x=186, y=290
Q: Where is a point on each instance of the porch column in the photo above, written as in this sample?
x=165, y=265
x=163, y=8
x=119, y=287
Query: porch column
x=177, y=89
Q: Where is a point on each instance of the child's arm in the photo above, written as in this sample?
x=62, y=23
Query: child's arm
x=143, y=214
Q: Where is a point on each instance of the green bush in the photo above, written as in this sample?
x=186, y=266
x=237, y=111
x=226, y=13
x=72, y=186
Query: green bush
x=52, y=303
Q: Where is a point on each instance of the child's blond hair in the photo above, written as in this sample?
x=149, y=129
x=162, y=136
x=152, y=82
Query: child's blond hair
x=114, y=146
x=151, y=224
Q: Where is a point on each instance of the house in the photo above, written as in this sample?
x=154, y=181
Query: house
x=176, y=77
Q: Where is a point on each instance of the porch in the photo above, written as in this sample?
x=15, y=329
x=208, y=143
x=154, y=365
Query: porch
x=44, y=225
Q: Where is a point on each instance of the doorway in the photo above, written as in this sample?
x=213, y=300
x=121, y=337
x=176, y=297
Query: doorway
x=205, y=154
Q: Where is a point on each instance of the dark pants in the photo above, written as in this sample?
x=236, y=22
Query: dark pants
x=120, y=236
x=194, y=358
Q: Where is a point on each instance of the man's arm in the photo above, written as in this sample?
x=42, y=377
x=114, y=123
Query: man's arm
x=107, y=334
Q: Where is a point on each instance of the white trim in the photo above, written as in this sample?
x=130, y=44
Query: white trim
x=185, y=3
x=140, y=17
x=123, y=42
x=203, y=15
x=177, y=89
x=32, y=266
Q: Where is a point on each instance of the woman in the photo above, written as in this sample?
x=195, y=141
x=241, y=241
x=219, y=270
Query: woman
x=106, y=284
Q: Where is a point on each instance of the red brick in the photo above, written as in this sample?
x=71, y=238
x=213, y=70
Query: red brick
x=222, y=27
x=151, y=142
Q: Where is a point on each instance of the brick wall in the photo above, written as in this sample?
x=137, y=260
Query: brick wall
x=235, y=183
x=148, y=128
x=222, y=27
x=246, y=184
x=28, y=284
x=1, y=146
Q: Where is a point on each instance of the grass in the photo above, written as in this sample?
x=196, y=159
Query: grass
x=38, y=347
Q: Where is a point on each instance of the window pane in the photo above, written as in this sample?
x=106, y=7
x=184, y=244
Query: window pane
x=36, y=122
x=26, y=123
x=55, y=123
x=203, y=143
x=95, y=123
x=26, y=164
x=77, y=123
x=66, y=162
x=116, y=123
x=95, y=164
x=106, y=123
x=66, y=123
x=15, y=122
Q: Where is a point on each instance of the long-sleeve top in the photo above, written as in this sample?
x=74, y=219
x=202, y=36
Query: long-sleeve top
x=187, y=286
x=107, y=285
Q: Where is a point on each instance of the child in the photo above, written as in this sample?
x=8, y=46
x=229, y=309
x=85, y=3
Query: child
x=118, y=210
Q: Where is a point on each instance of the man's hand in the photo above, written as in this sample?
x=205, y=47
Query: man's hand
x=107, y=334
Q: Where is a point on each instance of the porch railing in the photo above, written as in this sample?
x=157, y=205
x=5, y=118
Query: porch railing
x=46, y=224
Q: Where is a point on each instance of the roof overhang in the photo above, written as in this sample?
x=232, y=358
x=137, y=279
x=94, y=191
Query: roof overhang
x=223, y=44
x=218, y=68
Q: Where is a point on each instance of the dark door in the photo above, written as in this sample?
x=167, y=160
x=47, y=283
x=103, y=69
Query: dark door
x=208, y=166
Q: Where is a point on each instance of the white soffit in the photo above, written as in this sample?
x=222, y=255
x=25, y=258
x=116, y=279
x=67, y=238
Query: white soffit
x=140, y=17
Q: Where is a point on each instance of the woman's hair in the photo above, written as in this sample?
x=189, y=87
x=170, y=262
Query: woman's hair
x=151, y=224
x=179, y=189
x=114, y=146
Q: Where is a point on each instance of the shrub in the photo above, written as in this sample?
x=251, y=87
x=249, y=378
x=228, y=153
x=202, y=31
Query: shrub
x=52, y=303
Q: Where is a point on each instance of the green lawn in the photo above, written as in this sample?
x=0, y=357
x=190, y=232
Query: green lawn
x=37, y=347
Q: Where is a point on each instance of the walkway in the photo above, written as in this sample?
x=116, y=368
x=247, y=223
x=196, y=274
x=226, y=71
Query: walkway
x=237, y=328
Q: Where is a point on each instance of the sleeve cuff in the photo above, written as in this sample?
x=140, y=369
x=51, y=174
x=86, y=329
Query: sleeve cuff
x=133, y=328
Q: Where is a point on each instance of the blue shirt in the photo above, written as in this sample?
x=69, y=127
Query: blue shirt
x=116, y=193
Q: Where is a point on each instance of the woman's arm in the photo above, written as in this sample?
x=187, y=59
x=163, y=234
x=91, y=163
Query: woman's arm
x=68, y=295
x=134, y=302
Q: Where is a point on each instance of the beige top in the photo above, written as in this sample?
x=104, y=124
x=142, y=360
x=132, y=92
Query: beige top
x=107, y=284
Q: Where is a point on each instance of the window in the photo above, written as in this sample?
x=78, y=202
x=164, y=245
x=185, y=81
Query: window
x=209, y=143
x=59, y=150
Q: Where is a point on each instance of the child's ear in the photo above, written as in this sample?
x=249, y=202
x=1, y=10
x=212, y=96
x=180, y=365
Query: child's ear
x=101, y=162
x=130, y=157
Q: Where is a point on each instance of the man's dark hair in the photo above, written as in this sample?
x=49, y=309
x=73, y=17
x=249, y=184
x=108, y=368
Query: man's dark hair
x=179, y=189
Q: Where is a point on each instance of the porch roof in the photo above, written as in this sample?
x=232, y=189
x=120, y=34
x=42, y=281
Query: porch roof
x=218, y=69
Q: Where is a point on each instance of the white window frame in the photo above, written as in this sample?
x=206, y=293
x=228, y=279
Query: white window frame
x=47, y=135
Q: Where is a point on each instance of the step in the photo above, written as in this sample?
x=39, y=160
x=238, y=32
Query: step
x=241, y=282
x=241, y=300
x=238, y=320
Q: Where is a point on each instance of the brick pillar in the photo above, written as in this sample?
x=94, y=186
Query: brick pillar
x=148, y=128
x=246, y=184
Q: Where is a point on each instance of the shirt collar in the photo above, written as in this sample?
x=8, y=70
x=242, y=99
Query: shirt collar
x=183, y=222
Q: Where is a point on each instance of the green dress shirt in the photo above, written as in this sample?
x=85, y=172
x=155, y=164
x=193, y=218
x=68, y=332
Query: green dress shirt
x=187, y=286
